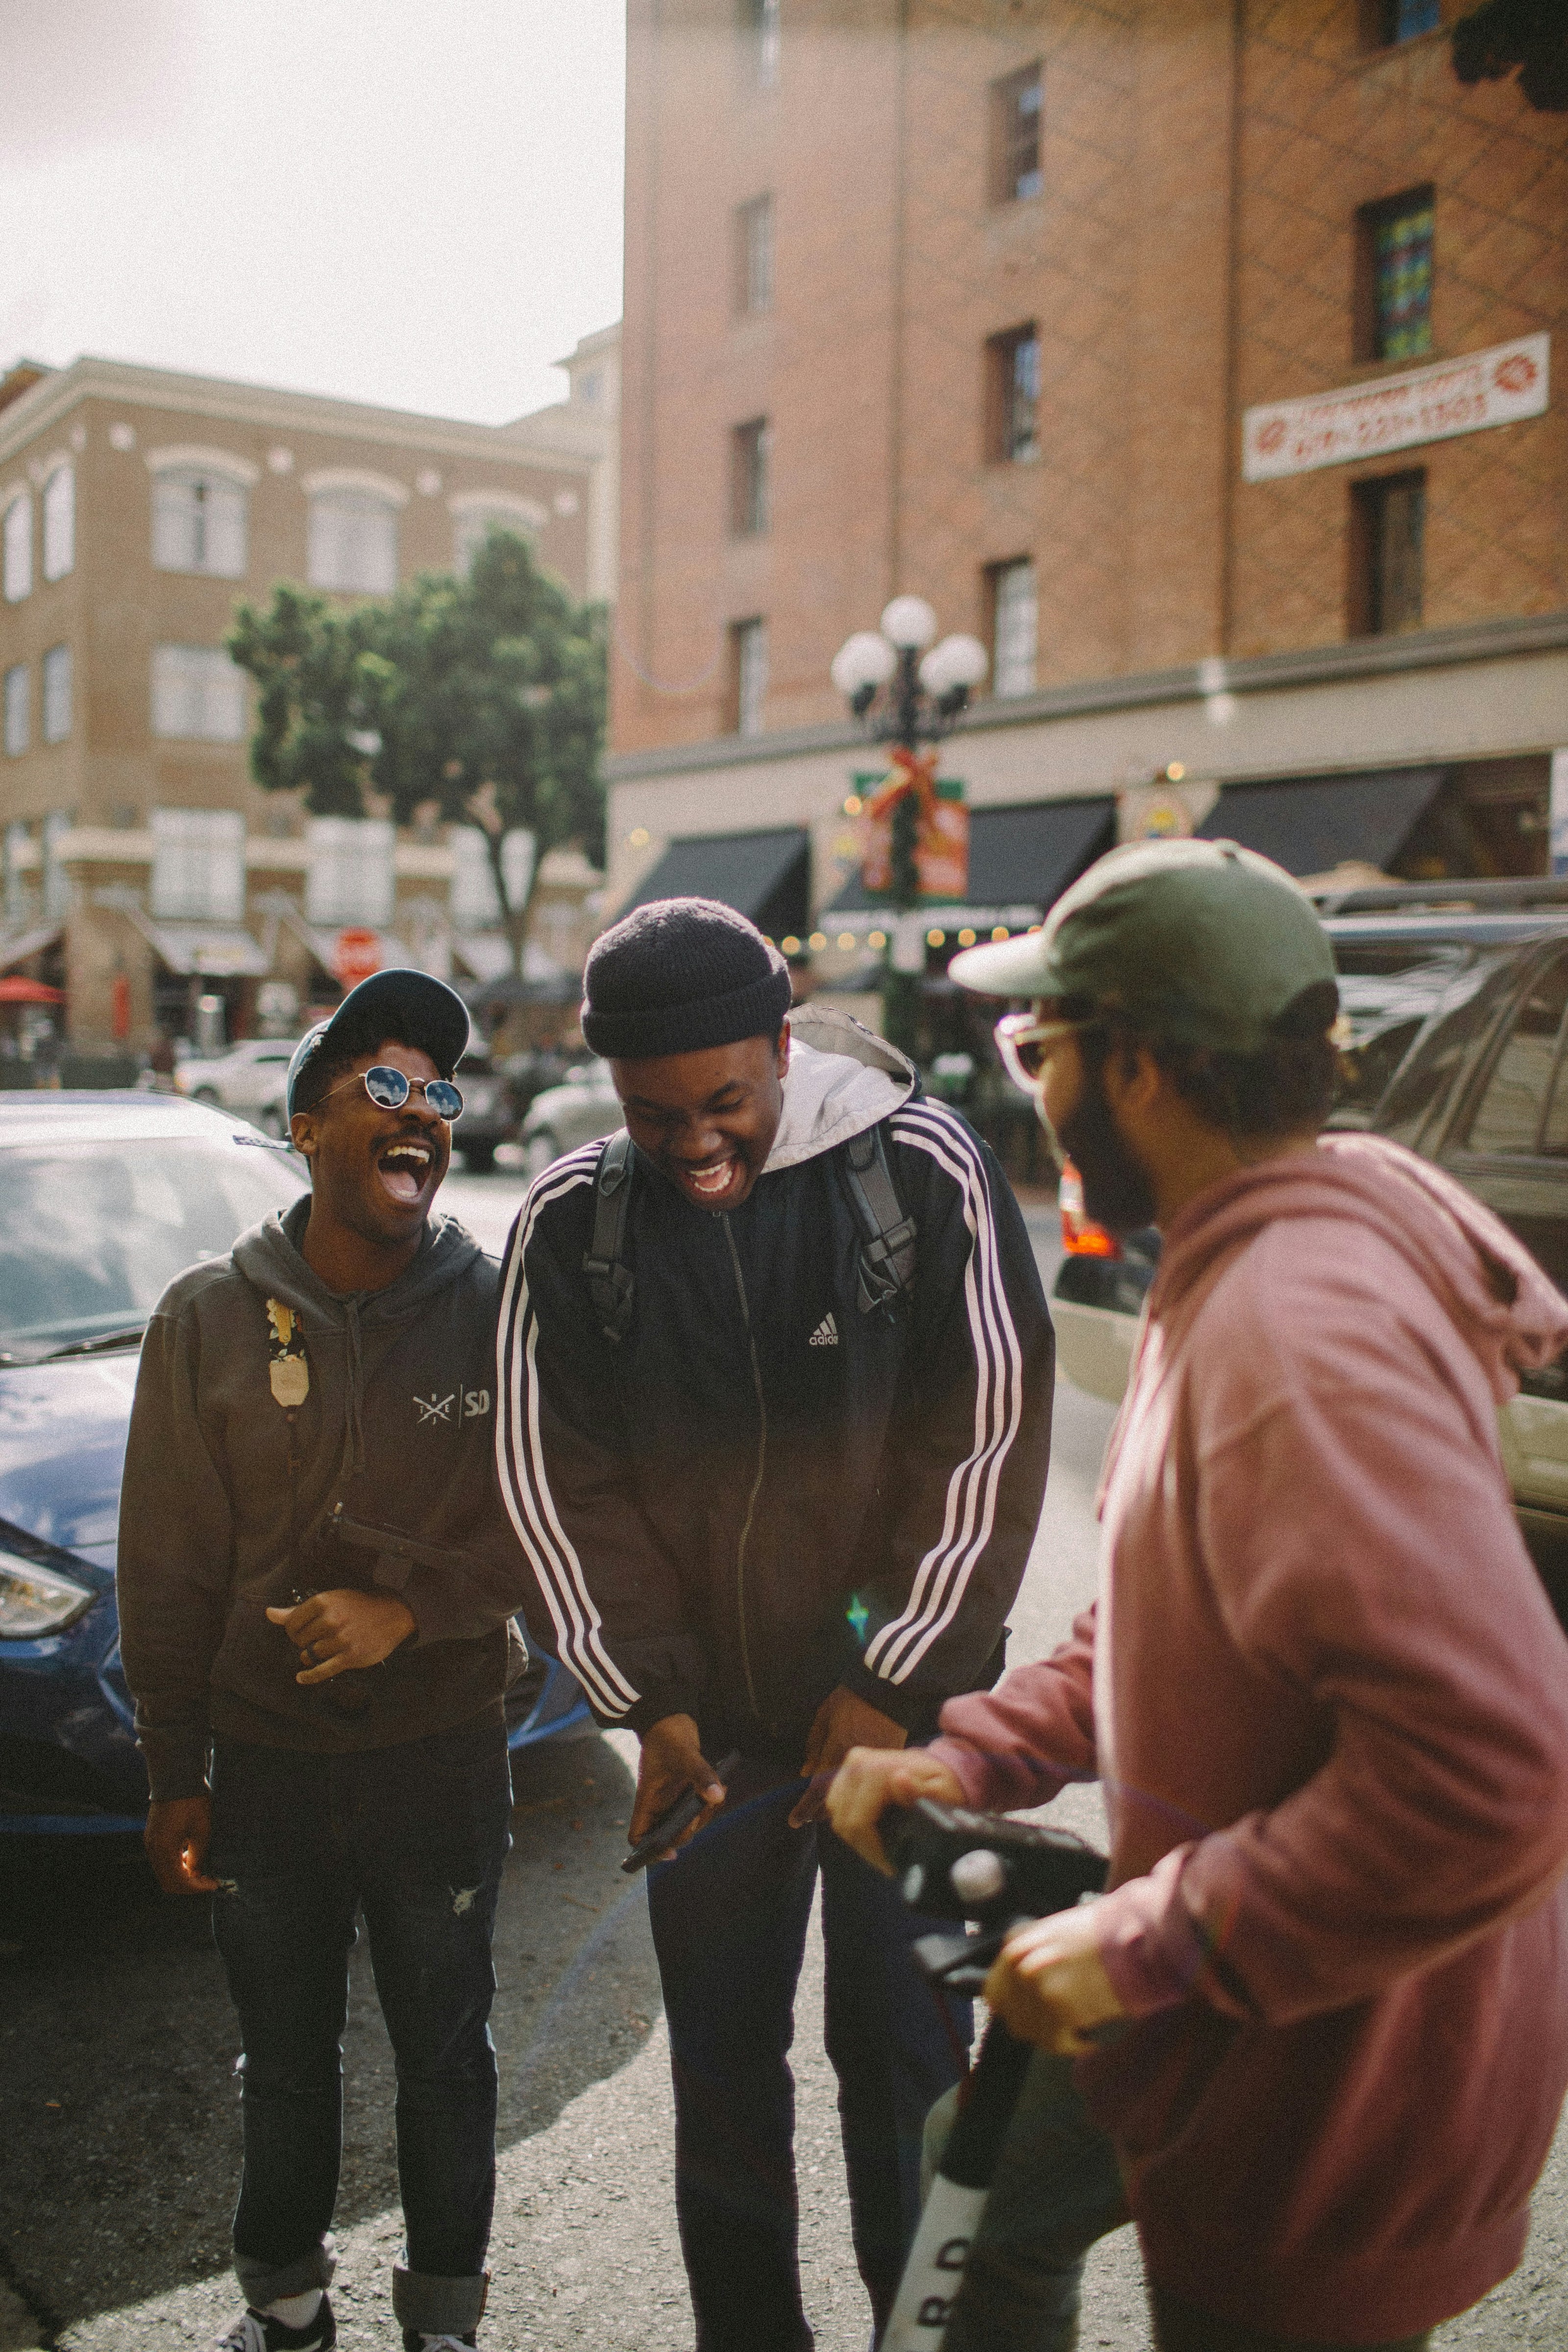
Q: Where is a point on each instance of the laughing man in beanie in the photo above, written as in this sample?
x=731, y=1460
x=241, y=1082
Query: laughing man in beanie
x=323, y=1716
x=776, y=1379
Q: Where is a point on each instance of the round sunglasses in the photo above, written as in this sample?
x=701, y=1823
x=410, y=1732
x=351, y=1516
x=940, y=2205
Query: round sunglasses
x=389, y=1089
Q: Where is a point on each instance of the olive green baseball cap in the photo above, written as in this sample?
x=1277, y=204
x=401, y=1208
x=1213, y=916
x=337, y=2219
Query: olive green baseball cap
x=1201, y=942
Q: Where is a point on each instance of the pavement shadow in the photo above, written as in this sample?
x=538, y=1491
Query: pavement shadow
x=119, y=2113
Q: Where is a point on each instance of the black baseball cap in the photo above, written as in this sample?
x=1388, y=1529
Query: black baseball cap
x=411, y=1006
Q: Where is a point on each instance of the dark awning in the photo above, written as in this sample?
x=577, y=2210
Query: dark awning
x=1021, y=858
x=1310, y=827
x=766, y=875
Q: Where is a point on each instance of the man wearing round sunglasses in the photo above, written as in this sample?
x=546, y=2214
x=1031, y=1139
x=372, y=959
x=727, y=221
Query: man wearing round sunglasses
x=322, y=1713
x=1321, y=2011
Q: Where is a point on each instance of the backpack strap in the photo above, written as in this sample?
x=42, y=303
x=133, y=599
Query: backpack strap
x=610, y=1283
x=887, y=1234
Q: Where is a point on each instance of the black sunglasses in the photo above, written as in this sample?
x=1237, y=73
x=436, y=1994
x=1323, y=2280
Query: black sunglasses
x=389, y=1089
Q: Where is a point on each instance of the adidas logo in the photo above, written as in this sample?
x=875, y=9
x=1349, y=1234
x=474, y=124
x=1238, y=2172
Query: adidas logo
x=825, y=1334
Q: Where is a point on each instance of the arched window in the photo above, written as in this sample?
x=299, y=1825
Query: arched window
x=353, y=542
x=18, y=542
x=199, y=524
x=59, y=523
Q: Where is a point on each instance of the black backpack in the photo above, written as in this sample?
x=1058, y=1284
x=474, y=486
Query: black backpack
x=887, y=1272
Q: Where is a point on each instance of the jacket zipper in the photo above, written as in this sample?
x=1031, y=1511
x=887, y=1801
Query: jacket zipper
x=757, y=1481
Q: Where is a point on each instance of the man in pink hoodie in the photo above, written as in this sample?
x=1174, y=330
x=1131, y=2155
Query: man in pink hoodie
x=1323, y=2012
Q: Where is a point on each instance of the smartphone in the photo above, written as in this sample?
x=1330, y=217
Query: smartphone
x=673, y=1820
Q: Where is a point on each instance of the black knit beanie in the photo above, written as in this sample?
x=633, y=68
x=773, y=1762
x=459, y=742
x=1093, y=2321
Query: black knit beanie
x=678, y=975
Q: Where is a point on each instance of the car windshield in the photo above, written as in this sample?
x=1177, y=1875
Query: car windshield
x=91, y=1235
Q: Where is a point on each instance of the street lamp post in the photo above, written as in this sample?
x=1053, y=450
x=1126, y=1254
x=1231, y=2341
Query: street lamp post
x=906, y=690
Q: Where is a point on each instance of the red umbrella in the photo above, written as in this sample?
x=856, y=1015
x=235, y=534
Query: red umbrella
x=15, y=990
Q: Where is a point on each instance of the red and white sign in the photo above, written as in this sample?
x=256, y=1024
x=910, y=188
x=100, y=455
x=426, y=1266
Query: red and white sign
x=356, y=956
x=1397, y=412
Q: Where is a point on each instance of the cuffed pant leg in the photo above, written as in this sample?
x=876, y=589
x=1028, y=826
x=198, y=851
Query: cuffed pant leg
x=892, y=2053
x=283, y=1924
x=729, y=1920
x=433, y=1832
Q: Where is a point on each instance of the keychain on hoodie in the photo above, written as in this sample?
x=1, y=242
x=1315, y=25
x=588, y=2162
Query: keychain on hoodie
x=288, y=1367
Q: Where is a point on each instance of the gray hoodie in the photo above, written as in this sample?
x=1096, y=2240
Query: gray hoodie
x=228, y=1486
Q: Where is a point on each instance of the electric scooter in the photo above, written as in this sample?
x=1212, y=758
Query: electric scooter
x=990, y=1875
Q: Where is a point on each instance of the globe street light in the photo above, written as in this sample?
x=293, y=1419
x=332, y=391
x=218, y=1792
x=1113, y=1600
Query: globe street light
x=906, y=690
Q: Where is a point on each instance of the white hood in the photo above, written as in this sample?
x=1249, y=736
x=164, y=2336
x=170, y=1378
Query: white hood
x=841, y=1080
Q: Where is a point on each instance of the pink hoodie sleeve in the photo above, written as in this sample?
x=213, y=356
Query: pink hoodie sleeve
x=1386, y=1580
x=1020, y=1744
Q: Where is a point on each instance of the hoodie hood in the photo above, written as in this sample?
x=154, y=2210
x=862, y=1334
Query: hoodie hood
x=1513, y=1319
x=272, y=1261
x=842, y=1080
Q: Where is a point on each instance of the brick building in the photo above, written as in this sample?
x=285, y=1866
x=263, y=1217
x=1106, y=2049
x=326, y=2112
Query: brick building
x=142, y=867
x=1194, y=356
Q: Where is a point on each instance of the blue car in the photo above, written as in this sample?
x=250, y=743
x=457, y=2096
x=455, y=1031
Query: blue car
x=104, y=1198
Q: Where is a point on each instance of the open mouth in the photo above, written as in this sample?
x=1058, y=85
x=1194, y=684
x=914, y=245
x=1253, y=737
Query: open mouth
x=714, y=1185
x=405, y=1169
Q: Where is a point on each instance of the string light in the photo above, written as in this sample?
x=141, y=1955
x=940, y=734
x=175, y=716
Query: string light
x=846, y=940
x=966, y=938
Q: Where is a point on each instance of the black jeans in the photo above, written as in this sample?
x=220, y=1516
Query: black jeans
x=415, y=1836
x=728, y=1926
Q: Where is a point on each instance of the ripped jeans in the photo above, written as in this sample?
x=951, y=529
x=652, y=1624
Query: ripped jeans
x=415, y=1836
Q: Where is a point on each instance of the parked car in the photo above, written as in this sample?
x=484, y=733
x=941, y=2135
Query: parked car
x=582, y=1108
x=249, y=1079
x=103, y=1200
x=1459, y=1017
x=487, y=1117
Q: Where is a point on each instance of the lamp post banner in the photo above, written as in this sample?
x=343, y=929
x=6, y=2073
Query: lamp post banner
x=1498, y=386
x=941, y=836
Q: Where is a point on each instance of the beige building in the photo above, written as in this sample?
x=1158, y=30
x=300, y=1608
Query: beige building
x=142, y=869
x=1203, y=360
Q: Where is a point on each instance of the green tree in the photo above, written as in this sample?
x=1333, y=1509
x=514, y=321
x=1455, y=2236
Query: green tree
x=481, y=700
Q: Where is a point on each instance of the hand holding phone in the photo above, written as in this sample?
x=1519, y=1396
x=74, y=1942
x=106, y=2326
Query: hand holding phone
x=673, y=1821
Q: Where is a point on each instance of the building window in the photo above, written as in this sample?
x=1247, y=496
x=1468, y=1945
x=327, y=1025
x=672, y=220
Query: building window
x=748, y=675
x=59, y=523
x=755, y=256
x=18, y=541
x=198, y=865
x=57, y=693
x=350, y=877
x=198, y=695
x=1393, y=278
x=1012, y=397
x=750, y=449
x=18, y=712
x=1015, y=627
x=353, y=542
x=760, y=30
x=1388, y=524
x=1016, y=135
x=1388, y=22
x=198, y=524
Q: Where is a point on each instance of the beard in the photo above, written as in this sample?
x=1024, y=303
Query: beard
x=1117, y=1192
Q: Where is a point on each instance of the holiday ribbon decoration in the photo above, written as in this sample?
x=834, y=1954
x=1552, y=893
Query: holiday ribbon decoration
x=942, y=828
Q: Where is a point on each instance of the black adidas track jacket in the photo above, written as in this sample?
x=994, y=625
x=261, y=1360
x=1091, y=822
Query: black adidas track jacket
x=730, y=1540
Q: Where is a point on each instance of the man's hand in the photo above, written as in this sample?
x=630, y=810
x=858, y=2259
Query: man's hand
x=1050, y=1984
x=843, y=1721
x=335, y=1631
x=176, y=1839
x=671, y=1762
x=869, y=1780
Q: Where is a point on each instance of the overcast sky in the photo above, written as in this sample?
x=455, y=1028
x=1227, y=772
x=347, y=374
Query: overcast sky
x=417, y=202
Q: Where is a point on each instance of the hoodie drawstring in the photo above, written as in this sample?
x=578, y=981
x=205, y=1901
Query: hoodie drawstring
x=353, y=1410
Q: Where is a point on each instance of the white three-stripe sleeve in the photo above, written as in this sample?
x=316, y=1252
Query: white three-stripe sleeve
x=944, y=1573
x=520, y=1463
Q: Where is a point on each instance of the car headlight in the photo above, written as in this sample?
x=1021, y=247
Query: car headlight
x=36, y=1600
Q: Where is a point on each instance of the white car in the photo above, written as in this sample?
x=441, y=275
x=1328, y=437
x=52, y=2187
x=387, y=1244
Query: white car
x=584, y=1106
x=249, y=1079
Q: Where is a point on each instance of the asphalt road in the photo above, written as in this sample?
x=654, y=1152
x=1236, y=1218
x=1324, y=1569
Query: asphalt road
x=118, y=2128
